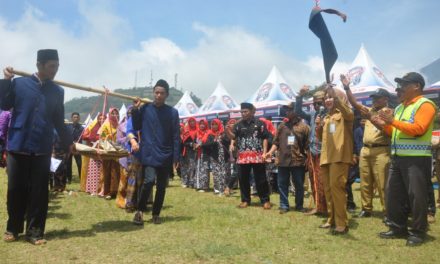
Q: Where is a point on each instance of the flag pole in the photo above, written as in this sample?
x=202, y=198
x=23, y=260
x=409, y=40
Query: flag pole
x=88, y=89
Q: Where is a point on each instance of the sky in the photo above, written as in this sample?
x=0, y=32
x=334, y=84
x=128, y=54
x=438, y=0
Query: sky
x=123, y=43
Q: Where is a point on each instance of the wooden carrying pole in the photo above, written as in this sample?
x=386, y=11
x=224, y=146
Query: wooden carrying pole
x=88, y=89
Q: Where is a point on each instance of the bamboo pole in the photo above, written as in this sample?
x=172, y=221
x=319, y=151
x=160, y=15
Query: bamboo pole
x=88, y=89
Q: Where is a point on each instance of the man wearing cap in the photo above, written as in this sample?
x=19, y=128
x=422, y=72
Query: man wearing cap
x=37, y=105
x=315, y=147
x=374, y=157
x=250, y=135
x=292, y=143
x=410, y=170
x=160, y=148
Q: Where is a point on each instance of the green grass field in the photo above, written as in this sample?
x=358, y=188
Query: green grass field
x=204, y=228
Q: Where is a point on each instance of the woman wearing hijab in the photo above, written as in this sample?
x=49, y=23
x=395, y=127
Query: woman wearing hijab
x=219, y=155
x=203, y=148
x=122, y=139
x=89, y=166
x=109, y=181
x=231, y=166
x=188, y=165
x=336, y=133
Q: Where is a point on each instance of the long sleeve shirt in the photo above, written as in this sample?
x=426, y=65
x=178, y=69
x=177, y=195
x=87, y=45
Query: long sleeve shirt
x=315, y=143
x=37, y=109
x=422, y=119
x=160, y=134
x=337, y=135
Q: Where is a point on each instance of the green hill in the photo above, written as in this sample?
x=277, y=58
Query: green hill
x=85, y=105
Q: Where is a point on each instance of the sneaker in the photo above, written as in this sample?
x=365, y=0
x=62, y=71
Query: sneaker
x=201, y=191
x=184, y=186
x=227, y=192
x=283, y=210
x=216, y=191
x=138, y=218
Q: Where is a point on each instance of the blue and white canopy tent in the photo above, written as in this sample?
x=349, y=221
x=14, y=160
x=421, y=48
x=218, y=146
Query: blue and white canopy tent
x=186, y=106
x=219, y=104
x=366, y=77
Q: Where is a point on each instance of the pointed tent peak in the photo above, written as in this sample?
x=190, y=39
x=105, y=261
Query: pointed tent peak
x=365, y=76
x=274, y=88
x=275, y=76
x=220, y=100
x=220, y=88
x=186, y=105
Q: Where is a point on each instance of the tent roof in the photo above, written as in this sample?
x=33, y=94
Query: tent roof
x=219, y=101
x=274, y=88
x=366, y=76
x=186, y=105
x=434, y=86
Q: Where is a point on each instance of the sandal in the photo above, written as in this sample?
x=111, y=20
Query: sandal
x=325, y=226
x=9, y=237
x=37, y=241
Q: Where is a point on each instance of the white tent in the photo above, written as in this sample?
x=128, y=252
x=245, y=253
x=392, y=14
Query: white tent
x=219, y=101
x=273, y=91
x=365, y=76
x=186, y=105
x=434, y=85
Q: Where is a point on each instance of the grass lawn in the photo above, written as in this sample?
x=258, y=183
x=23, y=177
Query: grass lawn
x=204, y=228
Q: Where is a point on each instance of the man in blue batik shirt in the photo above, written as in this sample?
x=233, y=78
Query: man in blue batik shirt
x=160, y=147
x=37, y=105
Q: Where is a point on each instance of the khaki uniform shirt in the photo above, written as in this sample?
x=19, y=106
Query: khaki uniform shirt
x=337, y=135
x=374, y=136
x=292, y=155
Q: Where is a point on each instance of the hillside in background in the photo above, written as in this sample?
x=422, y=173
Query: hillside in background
x=86, y=105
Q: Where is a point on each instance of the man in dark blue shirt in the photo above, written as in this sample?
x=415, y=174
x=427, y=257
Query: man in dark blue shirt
x=160, y=147
x=76, y=129
x=37, y=105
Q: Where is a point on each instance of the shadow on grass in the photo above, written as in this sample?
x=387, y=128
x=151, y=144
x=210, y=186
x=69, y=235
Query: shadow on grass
x=175, y=218
x=101, y=227
x=58, y=215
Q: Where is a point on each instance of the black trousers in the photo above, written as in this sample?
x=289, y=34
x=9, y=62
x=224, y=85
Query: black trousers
x=28, y=194
x=259, y=170
x=69, y=167
x=407, y=187
x=151, y=175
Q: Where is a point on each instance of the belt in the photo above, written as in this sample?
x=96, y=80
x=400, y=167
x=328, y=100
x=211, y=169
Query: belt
x=375, y=145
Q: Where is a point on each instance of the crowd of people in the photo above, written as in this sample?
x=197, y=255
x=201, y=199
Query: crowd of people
x=337, y=141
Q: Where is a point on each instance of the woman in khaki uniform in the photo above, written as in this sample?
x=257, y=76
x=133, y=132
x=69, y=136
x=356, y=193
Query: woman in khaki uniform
x=336, y=132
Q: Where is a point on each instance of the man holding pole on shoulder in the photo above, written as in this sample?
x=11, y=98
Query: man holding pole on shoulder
x=159, y=126
x=37, y=105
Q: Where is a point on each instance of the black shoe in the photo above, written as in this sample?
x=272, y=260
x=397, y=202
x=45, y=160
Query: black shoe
x=302, y=210
x=364, y=213
x=394, y=233
x=414, y=240
x=138, y=218
x=156, y=220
